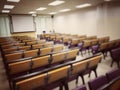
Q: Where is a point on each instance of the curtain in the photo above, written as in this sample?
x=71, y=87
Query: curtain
x=4, y=26
x=43, y=23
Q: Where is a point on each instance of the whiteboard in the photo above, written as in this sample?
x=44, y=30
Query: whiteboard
x=22, y=23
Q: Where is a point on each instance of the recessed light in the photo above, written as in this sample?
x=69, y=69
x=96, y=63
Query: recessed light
x=13, y=0
x=83, y=5
x=107, y=0
x=57, y=2
x=8, y=6
x=52, y=13
x=64, y=10
x=32, y=12
x=5, y=11
x=41, y=8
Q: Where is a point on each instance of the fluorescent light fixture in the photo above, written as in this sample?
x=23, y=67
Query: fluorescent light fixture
x=41, y=8
x=32, y=12
x=56, y=2
x=83, y=5
x=64, y=10
x=52, y=13
x=5, y=11
x=107, y=0
x=8, y=6
x=13, y=0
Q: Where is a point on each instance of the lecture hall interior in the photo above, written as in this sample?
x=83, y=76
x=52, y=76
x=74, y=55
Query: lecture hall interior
x=59, y=44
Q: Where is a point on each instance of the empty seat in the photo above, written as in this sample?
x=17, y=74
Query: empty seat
x=44, y=51
x=58, y=48
x=32, y=83
x=18, y=67
x=25, y=48
x=31, y=53
x=36, y=46
x=13, y=56
x=97, y=82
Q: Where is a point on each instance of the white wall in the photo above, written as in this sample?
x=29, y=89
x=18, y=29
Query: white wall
x=102, y=20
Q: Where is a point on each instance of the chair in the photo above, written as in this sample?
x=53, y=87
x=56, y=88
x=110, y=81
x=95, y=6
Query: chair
x=58, y=58
x=113, y=74
x=13, y=56
x=48, y=44
x=26, y=48
x=115, y=54
x=10, y=50
x=82, y=87
x=58, y=77
x=78, y=69
x=115, y=84
x=31, y=53
x=71, y=55
x=58, y=48
x=40, y=62
x=97, y=82
x=31, y=43
x=93, y=63
x=45, y=51
x=18, y=67
x=32, y=83
x=36, y=46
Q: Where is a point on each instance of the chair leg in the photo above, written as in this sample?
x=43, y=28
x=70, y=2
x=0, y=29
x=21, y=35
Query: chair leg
x=89, y=74
x=82, y=79
x=95, y=72
x=77, y=80
x=112, y=63
x=66, y=86
x=61, y=87
x=118, y=64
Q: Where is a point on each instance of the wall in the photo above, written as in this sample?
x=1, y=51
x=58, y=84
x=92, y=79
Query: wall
x=102, y=20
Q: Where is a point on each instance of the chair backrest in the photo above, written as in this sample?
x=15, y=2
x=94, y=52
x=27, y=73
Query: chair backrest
x=93, y=62
x=10, y=50
x=19, y=67
x=25, y=48
x=79, y=67
x=13, y=56
x=31, y=43
x=31, y=53
x=72, y=54
x=59, y=57
x=36, y=46
x=87, y=43
x=94, y=41
x=48, y=44
x=32, y=82
x=97, y=82
x=58, y=48
x=115, y=84
x=58, y=74
x=74, y=42
x=44, y=51
x=103, y=46
x=40, y=61
x=7, y=46
x=113, y=74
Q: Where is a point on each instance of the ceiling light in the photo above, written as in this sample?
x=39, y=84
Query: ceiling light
x=8, y=6
x=57, y=2
x=32, y=12
x=107, y=0
x=64, y=10
x=41, y=8
x=52, y=13
x=13, y=0
x=5, y=11
x=83, y=5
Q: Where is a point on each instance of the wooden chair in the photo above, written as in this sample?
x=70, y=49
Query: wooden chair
x=32, y=83
x=44, y=51
x=26, y=48
x=13, y=56
x=71, y=55
x=58, y=77
x=31, y=53
x=58, y=48
x=93, y=63
x=36, y=46
x=58, y=58
x=78, y=69
x=40, y=62
x=18, y=67
x=31, y=43
x=10, y=50
x=49, y=44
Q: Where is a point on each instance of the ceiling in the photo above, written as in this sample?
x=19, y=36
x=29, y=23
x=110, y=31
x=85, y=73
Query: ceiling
x=25, y=6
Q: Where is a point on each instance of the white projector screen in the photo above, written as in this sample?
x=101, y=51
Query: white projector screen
x=22, y=23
